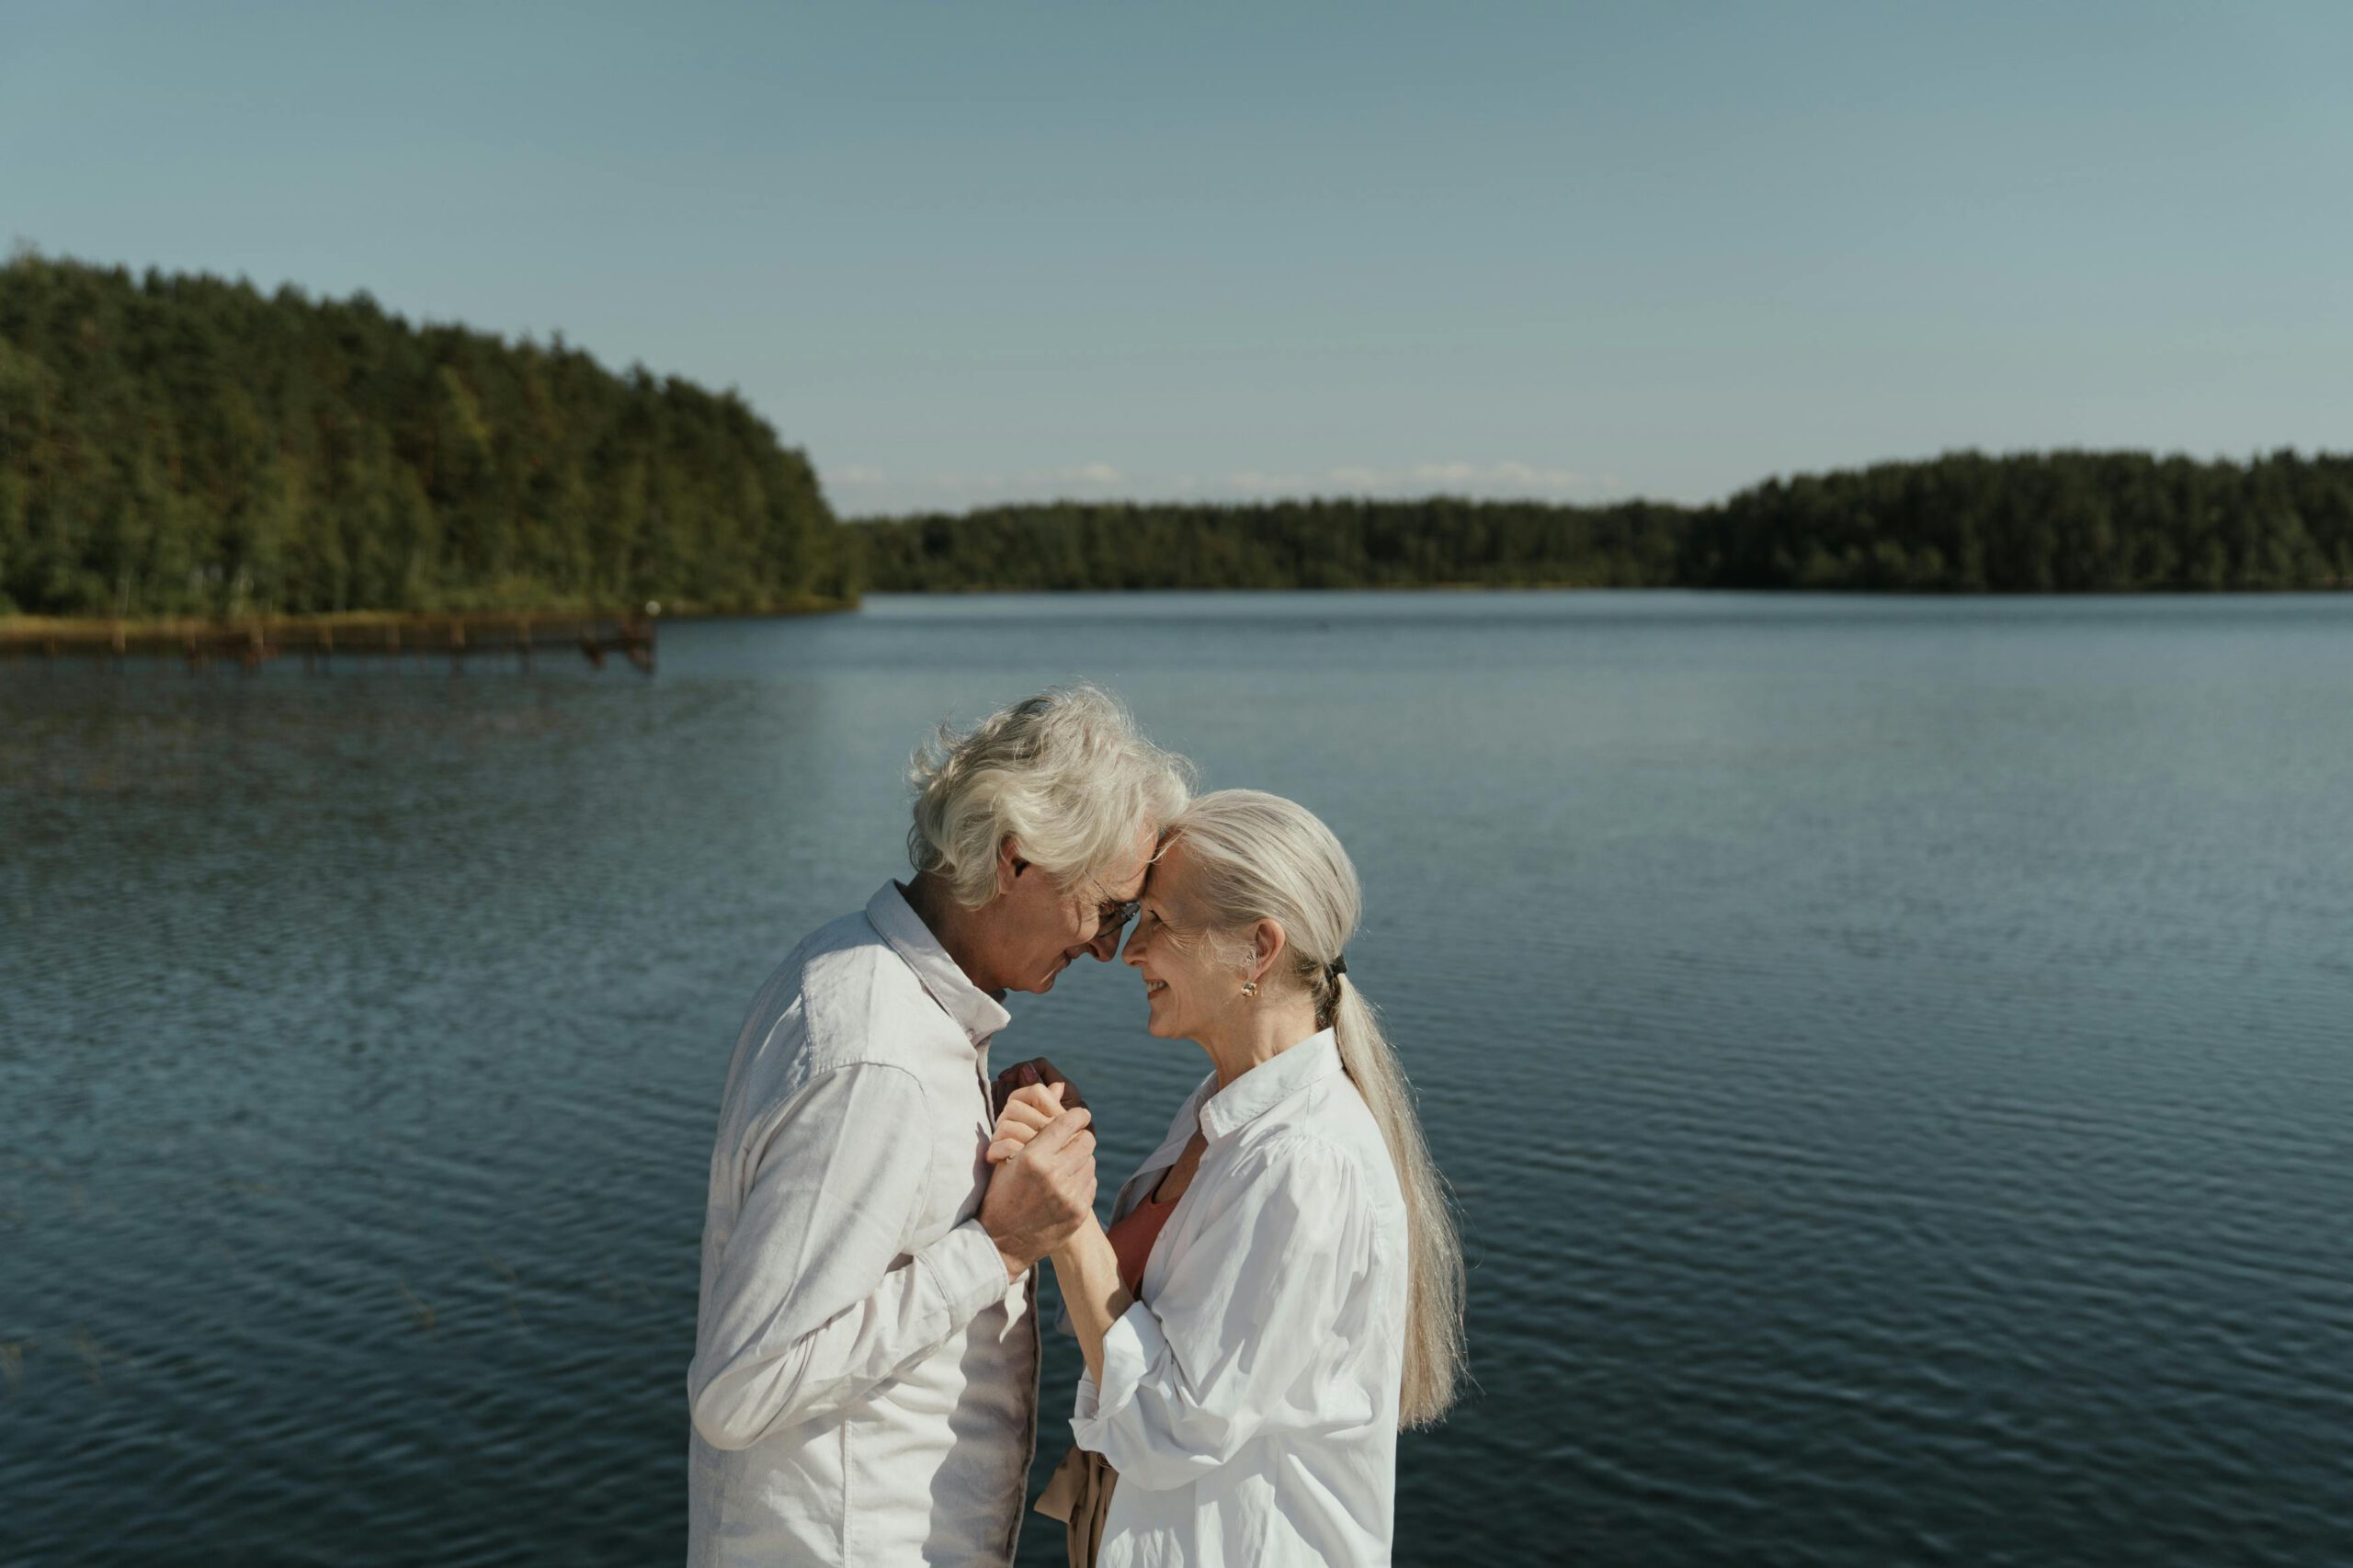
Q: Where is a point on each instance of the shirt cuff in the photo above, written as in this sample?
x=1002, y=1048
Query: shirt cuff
x=964, y=1268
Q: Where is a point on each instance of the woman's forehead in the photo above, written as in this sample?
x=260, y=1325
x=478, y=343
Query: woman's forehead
x=1170, y=877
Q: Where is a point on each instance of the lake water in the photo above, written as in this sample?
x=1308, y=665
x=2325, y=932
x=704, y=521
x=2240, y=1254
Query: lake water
x=1896, y=1058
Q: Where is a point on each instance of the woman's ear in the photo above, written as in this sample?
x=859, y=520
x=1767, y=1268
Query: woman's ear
x=1267, y=942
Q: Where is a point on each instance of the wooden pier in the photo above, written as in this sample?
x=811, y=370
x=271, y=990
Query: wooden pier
x=321, y=640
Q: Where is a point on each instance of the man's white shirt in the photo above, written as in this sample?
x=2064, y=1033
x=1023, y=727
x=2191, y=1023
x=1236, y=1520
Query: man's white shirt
x=1249, y=1399
x=864, y=1385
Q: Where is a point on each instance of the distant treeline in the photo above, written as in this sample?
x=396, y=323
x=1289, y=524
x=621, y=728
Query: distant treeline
x=182, y=444
x=2056, y=522
x=185, y=446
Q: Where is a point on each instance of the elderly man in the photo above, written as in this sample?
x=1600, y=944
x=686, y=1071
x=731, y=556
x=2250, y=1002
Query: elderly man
x=865, y=1380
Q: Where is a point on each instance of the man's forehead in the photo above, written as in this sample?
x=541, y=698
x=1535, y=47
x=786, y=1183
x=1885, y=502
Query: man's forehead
x=1125, y=880
x=1126, y=883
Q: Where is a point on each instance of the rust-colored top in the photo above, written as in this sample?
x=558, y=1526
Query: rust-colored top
x=1131, y=1239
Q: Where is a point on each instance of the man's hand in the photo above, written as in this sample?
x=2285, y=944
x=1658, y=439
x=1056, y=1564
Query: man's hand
x=1042, y=1192
x=1037, y=1069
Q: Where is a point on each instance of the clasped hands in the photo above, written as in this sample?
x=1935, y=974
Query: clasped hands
x=1041, y=1185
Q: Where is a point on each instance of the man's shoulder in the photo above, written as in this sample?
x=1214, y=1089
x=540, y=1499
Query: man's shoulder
x=855, y=998
x=861, y=999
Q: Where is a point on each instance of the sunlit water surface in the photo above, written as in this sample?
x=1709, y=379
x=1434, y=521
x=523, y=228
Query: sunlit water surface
x=1895, y=1059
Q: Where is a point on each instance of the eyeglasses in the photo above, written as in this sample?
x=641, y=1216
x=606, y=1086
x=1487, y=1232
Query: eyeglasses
x=1111, y=919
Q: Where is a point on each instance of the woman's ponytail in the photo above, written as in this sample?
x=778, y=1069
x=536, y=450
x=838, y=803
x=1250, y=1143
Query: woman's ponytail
x=1262, y=857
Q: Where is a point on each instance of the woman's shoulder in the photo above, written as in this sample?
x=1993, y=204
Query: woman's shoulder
x=1328, y=1142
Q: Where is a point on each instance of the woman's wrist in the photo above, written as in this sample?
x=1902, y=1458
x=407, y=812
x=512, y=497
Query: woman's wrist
x=1088, y=1270
x=1081, y=1239
x=1082, y=1250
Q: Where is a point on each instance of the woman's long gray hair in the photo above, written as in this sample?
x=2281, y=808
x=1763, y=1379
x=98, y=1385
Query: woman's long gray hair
x=1258, y=857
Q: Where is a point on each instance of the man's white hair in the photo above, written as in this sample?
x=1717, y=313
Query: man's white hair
x=1066, y=775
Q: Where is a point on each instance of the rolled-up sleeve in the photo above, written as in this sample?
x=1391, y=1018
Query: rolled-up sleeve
x=814, y=1304
x=1232, y=1345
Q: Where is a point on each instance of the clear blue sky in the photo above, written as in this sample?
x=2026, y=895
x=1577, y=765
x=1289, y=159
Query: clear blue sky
x=963, y=253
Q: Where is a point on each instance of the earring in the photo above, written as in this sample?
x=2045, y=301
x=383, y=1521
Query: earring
x=1249, y=988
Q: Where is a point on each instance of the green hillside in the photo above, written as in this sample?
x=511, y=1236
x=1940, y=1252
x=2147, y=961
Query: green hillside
x=183, y=445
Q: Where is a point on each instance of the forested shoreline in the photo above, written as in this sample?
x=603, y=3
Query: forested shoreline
x=178, y=445
x=2053, y=522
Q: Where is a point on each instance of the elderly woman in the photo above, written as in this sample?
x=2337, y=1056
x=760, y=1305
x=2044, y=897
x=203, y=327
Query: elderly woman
x=1281, y=1290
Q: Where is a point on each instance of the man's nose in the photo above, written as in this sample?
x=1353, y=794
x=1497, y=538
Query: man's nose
x=1106, y=943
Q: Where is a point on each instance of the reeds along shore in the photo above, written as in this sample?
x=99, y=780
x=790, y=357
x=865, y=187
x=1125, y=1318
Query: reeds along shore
x=251, y=642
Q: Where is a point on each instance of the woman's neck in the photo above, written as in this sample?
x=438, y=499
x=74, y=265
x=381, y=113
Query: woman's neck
x=1256, y=1033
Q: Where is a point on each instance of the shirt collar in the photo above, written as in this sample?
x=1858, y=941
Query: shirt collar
x=1180, y=1131
x=1270, y=1083
x=977, y=1013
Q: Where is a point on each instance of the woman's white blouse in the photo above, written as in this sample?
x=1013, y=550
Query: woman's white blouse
x=1249, y=1399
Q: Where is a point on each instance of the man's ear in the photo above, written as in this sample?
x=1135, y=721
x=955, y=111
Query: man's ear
x=1009, y=864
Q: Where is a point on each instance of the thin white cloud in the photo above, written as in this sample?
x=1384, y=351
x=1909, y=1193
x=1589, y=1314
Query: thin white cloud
x=882, y=494
x=877, y=493
x=1500, y=476
x=1508, y=479
x=1033, y=482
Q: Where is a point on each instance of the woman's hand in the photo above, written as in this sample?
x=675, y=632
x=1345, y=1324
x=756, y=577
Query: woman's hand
x=1028, y=1112
x=1041, y=1191
x=1084, y=1265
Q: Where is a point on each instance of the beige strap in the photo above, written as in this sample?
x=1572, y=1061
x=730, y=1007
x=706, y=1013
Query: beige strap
x=1079, y=1494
